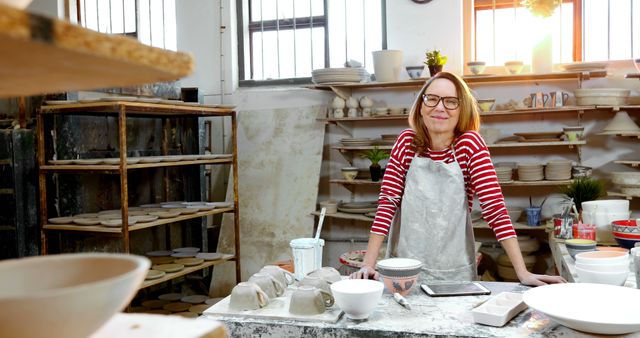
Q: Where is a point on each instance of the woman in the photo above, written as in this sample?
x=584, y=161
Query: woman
x=428, y=196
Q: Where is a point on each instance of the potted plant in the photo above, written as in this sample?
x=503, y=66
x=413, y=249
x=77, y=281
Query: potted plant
x=435, y=61
x=584, y=189
x=375, y=155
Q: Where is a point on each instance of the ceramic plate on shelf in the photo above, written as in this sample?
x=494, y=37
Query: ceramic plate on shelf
x=177, y=307
x=155, y=274
x=162, y=260
x=199, y=309
x=89, y=161
x=541, y=135
x=145, y=218
x=60, y=102
x=169, y=267
x=150, y=159
x=194, y=299
x=357, y=210
x=133, y=160
x=154, y=303
x=85, y=221
x=191, y=261
x=61, y=220
x=186, y=249
x=165, y=214
x=594, y=308
x=584, y=66
x=184, y=254
x=209, y=256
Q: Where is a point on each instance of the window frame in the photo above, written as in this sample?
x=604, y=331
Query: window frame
x=242, y=29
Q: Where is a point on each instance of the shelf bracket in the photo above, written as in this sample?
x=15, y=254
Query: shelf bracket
x=342, y=92
x=348, y=155
x=344, y=127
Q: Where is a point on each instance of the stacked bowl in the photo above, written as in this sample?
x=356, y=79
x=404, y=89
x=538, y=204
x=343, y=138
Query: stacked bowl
x=530, y=172
x=602, y=267
x=626, y=233
x=579, y=245
x=628, y=181
x=504, y=174
x=558, y=170
x=399, y=274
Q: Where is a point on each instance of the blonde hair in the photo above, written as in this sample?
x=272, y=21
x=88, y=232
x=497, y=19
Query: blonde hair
x=469, y=118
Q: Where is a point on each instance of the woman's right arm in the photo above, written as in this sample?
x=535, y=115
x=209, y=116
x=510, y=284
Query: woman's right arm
x=389, y=201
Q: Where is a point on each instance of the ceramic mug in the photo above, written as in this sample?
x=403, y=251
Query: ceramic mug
x=247, y=296
x=271, y=286
x=558, y=99
x=308, y=300
x=316, y=282
x=281, y=275
x=538, y=100
x=329, y=274
x=533, y=215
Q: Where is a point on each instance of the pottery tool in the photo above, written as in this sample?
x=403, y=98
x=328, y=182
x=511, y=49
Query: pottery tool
x=323, y=211
x=401, y=300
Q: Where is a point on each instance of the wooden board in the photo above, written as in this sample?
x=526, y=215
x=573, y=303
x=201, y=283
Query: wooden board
x=135, y=325
x=42, y=55
x=278, y=308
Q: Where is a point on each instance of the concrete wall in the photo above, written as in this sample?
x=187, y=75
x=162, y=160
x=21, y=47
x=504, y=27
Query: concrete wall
x=414, y=29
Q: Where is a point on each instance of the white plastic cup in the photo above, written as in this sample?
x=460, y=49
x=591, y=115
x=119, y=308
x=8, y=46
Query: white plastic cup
x=307, y=255
x=387, y=65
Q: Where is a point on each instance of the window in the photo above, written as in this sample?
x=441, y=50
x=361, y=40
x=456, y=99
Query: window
x=589, y=30
x=287, y=39
x=152, y=22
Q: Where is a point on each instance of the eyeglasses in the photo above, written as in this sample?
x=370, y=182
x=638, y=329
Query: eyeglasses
x=449, y=102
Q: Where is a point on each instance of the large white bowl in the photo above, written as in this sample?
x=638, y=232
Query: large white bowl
x=596, y=308
x=618, y=267
x=602, y=257
x=357, y=297
x=606, y=205
x=599, y=277
x=66, y=296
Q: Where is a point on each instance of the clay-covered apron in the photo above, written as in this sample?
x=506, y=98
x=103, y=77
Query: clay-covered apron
x=433, y=223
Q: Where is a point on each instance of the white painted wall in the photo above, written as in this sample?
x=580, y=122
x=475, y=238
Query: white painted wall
x=414, y=29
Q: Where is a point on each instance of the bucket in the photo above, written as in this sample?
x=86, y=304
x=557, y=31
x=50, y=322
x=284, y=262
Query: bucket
x=307, y=256
x=387, y=65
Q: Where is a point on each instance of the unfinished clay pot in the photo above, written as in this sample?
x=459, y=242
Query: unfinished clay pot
x=247, y=296
x=308, y=300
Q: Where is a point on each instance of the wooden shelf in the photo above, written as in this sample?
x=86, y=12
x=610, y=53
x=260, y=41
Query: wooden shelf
x=133, y=108
x=116, y=168
x=185, y=271
x=632, y=76
x=629, y=134
x=41, y=55
x=476, y=225
x=504, y=184
x=356, y=119
x=137, y=226
x=619, y=194
x=417, y=83
x=495, y=145
x=536, y=144
x=631, y=163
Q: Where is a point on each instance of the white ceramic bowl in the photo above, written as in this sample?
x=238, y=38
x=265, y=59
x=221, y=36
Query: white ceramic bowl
x=614, y=206
x=602, y=257
x=476, y=67
x=514, y=67
x=622, y=267
x=611, y=278
x=66, y=296
x=357, y=297
x=626, y=178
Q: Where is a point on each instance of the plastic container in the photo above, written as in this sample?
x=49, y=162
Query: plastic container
x=387, y=65
x=499, y=309
x=307, y=256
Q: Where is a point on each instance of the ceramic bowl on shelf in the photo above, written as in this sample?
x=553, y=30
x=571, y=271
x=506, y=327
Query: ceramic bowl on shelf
x=56, y=290
x=330, y=205
x=486, y=104
x=579, y=245
x=626, y=233
x=573, y=133
x=514, y=213
x=349, y=173
x=514, y=67
x=357, y=297
x=476, y=67
x=415, y=72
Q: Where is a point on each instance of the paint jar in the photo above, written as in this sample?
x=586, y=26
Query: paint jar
x=533, y=215
x=307, y=255
x=584, y=231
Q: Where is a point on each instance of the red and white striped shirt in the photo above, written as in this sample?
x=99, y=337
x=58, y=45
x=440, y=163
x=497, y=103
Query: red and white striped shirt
x=479, y=177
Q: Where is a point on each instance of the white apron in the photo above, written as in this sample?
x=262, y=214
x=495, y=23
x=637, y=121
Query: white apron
x=433, y=223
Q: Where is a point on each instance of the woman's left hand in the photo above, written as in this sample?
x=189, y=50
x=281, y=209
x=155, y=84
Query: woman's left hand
x=532, y=279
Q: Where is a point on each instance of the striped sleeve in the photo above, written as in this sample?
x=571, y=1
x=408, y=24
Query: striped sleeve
x=482, y=180
x=393, y=182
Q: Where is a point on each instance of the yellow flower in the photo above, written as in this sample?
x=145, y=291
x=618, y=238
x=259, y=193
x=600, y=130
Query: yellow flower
x=543, y=8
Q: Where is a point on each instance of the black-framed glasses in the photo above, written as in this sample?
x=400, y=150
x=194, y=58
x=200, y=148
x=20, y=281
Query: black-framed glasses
x=449, y=102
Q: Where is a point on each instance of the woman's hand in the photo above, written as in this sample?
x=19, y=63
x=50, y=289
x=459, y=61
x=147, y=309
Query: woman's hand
x=531, y=279
x=365, y=272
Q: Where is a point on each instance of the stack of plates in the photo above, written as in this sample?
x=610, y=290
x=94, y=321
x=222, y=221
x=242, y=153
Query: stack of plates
x=504, y=174
x=530, y=172
x=558, y=170
x=584, y=66
x=358, y=207
x=388, y=139
x=356, y=142
x=330, y=75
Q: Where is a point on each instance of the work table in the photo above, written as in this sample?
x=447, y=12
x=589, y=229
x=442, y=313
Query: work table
x=429, y=317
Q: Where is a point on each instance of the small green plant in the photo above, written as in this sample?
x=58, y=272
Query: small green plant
x=434, y=58
x=375, y=155
x=584, y=189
